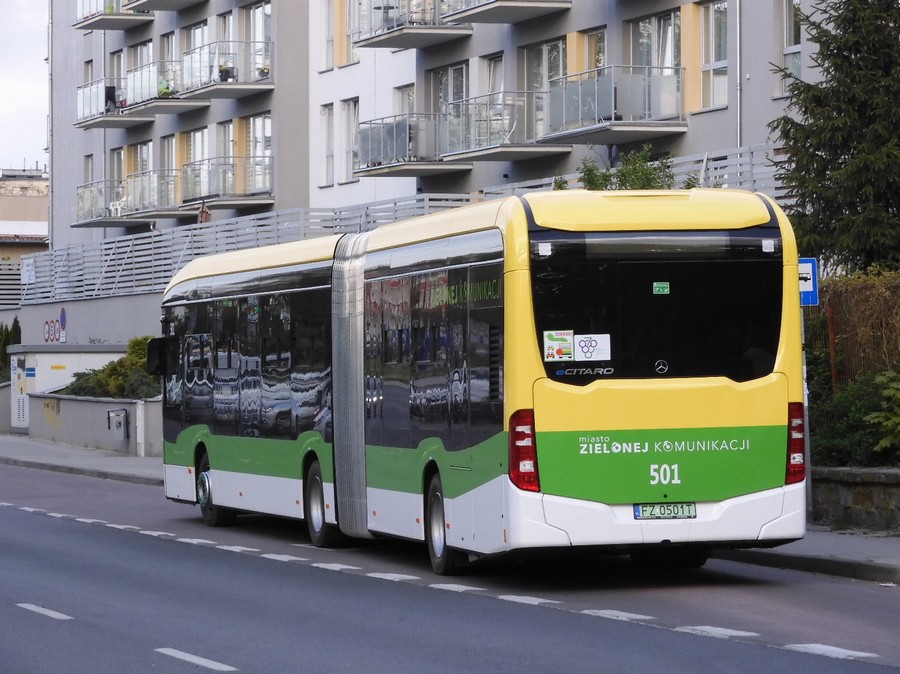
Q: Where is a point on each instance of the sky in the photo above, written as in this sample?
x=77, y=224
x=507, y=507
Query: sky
x=24, y=85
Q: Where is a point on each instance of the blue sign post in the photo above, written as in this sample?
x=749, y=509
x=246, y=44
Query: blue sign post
x=809, y=282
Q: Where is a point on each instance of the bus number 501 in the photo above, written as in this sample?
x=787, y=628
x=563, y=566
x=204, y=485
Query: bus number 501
x=664, y=474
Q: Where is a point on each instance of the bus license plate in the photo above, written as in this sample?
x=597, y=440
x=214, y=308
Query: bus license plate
x=665, y=511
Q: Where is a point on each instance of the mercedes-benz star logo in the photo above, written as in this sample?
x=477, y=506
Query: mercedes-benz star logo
x=661, y=367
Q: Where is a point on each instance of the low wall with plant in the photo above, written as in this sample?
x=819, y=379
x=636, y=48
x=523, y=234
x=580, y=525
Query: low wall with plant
x=128, y=427
x=867, y=498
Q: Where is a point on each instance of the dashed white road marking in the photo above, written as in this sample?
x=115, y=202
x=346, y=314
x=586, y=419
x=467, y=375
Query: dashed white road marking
x=32, y=510
x=87, y=520
x=5, y=504
x=618, y=615
x=454, y=587
x=285, y=558
x=58, y=515
x=716, y=632
x=157, y=534
x=45, y=611
x=337, y=567
x=829, y=651
x=392, y=576
x=520, y=599
x=196, y=660
x=196, y=541
x=236, y=548
x=122, y=527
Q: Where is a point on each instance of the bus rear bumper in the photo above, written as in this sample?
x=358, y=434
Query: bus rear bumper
x=764, y=517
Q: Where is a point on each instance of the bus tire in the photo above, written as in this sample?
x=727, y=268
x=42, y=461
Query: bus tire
x=213, y=515
x=321, y=534
x=444, y=560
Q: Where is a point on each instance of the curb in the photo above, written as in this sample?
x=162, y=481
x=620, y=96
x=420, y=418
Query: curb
x=831, y=566
x=88, y=472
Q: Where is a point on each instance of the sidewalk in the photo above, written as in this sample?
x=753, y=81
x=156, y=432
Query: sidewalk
x=870, y=556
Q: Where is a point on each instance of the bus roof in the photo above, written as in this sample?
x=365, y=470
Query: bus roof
x=581, y=210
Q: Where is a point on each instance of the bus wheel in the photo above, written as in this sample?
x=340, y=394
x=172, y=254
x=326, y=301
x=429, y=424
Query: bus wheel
x=213, y=515
x=444, y=560
x=321, y=534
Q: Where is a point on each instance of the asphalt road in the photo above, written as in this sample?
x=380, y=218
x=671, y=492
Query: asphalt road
x=100, y=576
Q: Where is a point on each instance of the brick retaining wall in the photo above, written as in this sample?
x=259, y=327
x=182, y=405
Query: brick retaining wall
x=867, y=498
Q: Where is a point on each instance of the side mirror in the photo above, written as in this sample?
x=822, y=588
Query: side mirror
x=162, y=355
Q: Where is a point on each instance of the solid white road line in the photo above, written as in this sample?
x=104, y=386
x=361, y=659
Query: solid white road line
x=829, y=651
x=717, y=632
x=392, y=576
x=618, y=615
x=196, y=660
x=534, y=601
x=45, y=611
x=453, y=587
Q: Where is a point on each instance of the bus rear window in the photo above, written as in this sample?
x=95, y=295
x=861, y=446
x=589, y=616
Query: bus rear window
x=657, y=304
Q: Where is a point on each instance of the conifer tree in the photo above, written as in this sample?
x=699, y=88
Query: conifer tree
x=841, y=134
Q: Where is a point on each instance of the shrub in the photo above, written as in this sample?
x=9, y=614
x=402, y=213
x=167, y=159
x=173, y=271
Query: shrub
x=888, y=419
x=122, y=378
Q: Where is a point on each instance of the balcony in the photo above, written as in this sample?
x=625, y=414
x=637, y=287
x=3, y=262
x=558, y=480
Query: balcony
x=405, y=24
x=502, y=126
x=107, y=15
x=102, y=204
x=100, y=104
x=227, y=70
x=403, y=146
x=160, y=5
x=155, y=193
x=153, y=89
x=616, y=104
x=227, y=182
x=502, y=11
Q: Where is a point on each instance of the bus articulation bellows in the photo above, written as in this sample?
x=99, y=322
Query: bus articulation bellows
x=570, y=368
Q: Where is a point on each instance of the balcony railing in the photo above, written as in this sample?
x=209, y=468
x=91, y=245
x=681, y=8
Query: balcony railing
x=108, y=15
x=405, y=24
x=100, y=97
x=227, y=62
x=605, y=97
x=399, y=139
x=160, y=79
x=503, y=118
x=99, y=199
x=226, y=178
x=155, y=190
x=501, y=11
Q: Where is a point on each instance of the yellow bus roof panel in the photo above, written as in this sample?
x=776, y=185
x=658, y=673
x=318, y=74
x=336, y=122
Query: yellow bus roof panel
x=649, y=210
x=317, y=249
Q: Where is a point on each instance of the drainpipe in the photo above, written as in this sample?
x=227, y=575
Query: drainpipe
x=740, y=76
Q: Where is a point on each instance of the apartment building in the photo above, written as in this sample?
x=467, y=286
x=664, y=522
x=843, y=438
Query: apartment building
x=24, y=200
x=181, y=127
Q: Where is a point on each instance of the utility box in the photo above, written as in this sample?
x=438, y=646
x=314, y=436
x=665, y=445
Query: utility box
x=117, y=423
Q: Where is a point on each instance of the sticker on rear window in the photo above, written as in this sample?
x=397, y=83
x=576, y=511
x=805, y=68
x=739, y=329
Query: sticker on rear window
x=559, y=345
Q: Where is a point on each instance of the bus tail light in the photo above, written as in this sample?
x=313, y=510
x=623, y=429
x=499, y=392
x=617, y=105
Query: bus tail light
x=796, y=445
x=523, y=466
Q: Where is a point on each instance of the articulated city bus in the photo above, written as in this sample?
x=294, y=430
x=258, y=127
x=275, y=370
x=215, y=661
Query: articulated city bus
x=561, y=369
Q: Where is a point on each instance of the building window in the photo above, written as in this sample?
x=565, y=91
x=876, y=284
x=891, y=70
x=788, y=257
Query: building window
x=351, y=137
x=328, y=8
x=328, y=135
x=543, y=63
x=595, y=55
x=142, y=157
x=352, y=23
x=449, y=85
x=791, y=56
x=405, y=99
x=714, y=58
x=655, y=41
x=259, y=153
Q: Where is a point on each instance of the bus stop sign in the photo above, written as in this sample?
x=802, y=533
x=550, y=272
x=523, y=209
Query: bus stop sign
x=809, y=282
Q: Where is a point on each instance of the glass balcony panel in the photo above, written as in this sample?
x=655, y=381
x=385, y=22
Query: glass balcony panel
x=224, y=177
x=100, y=97
x=227, y=61
x=497, y=119
x=153, y=190
x=398, y=139
x=615, y=94
x=99, y=199
x=160, y=79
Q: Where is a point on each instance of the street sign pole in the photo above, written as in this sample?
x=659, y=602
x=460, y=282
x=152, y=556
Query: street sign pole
x=808, y=269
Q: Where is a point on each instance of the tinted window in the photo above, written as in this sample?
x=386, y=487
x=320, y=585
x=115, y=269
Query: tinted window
x=657, y=304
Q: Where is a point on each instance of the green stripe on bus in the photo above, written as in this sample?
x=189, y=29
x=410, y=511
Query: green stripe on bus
x=648, y=466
